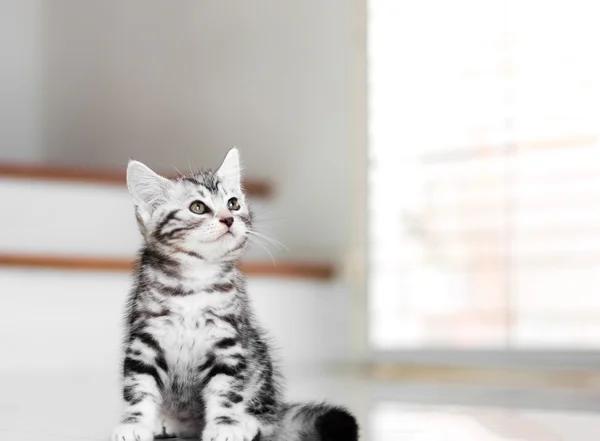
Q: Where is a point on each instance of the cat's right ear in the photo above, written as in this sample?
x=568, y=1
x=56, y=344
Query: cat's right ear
x=148, y=189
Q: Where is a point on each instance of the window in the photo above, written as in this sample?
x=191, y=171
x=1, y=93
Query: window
x=484, y=174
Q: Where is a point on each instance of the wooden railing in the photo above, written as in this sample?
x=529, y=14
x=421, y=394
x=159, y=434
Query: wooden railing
x=254, y=187
x=75, y=175
x=296, y=269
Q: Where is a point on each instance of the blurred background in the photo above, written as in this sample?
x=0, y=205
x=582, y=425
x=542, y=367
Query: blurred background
x=432, y=168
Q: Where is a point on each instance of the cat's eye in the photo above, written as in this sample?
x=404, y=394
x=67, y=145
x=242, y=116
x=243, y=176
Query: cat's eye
x=199, y=207
x=233, y=204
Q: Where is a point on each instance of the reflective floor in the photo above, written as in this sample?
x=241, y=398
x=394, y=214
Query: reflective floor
x=398, y=421
x=84, y=406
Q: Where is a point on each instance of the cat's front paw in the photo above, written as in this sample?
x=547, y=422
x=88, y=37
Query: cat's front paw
x=132, y=432
x=229, y=432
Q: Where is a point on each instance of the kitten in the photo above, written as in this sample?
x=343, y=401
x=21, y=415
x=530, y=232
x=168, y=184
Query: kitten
x=196, y=363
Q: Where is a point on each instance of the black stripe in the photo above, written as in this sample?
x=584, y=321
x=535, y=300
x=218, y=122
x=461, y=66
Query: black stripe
x=174, y=231
x=265, y=404
x=151, y=342
x=239, y=386
x=226, y=268
x=175, y=291
x=264, y=401
x=131, y=417
x=210, y=182
x=226, y=343
x=133, y=314
x=148, y=340
x=128, y=393
x=161, y=313
x=247, y=219
x=225, y=420
x=131, y=366
x=192, y=180
x=231, y=320
x=234, y=398
x=176, y=385
x=162, y=363
x=221, y=369
x=166, y=220
x=189, y=253
x=220, y=287
x=160, y=262
x=241, y=366
x=210, y=360
x=132, y=396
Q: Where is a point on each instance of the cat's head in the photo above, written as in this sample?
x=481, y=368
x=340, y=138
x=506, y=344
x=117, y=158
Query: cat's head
x=203, y=214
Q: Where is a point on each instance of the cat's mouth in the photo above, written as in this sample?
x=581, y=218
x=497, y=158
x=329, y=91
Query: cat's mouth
x=225, y=234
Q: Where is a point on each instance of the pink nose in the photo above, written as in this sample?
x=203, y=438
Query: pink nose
x=227, y=221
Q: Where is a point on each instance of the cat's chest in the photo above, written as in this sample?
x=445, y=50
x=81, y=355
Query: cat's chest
x=186, y=333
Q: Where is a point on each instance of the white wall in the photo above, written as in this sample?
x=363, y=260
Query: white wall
x=168, y=83
x=58, y=218
x=20, y=79
x=180, y=82
x=57, y=321
x=69, y=320
x=65, y=219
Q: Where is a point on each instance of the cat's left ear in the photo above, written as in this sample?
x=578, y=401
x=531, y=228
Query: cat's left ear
x=230, y=172
x=148, y=189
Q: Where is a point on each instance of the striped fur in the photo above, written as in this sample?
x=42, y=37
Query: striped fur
x=196, y=363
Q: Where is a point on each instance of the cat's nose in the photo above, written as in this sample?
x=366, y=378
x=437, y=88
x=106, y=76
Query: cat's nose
x=227, y=221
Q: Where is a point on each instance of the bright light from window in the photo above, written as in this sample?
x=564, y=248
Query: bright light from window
x=484, y=174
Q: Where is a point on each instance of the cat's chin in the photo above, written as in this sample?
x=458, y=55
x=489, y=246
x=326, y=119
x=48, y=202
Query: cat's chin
x=218, y=242
x=226, y=235
x=225, y=248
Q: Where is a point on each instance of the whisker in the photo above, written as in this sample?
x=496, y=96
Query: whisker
x=259, y=218
x=178, y=172
x=255, y=240
x=268, y=239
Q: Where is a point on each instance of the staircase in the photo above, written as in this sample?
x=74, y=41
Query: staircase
x=67, y=242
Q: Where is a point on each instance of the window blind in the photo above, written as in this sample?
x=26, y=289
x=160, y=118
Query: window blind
x=484, y=171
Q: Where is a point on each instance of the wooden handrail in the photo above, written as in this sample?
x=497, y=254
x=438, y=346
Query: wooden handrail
x=308, y=270
x=92, y=175
x=458, y=154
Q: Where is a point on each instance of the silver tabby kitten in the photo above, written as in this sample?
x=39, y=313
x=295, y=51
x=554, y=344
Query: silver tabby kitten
x=196, y=364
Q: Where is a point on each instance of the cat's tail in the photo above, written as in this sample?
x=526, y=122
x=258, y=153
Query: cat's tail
x=316, y=422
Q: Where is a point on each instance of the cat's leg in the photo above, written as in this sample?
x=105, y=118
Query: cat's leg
x=144, y=368
x=224, y=391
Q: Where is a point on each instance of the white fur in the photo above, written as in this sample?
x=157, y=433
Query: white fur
x=245, y=431
x=230, y=170
x=184, y=335
x=147, y=189
x=132, y=432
